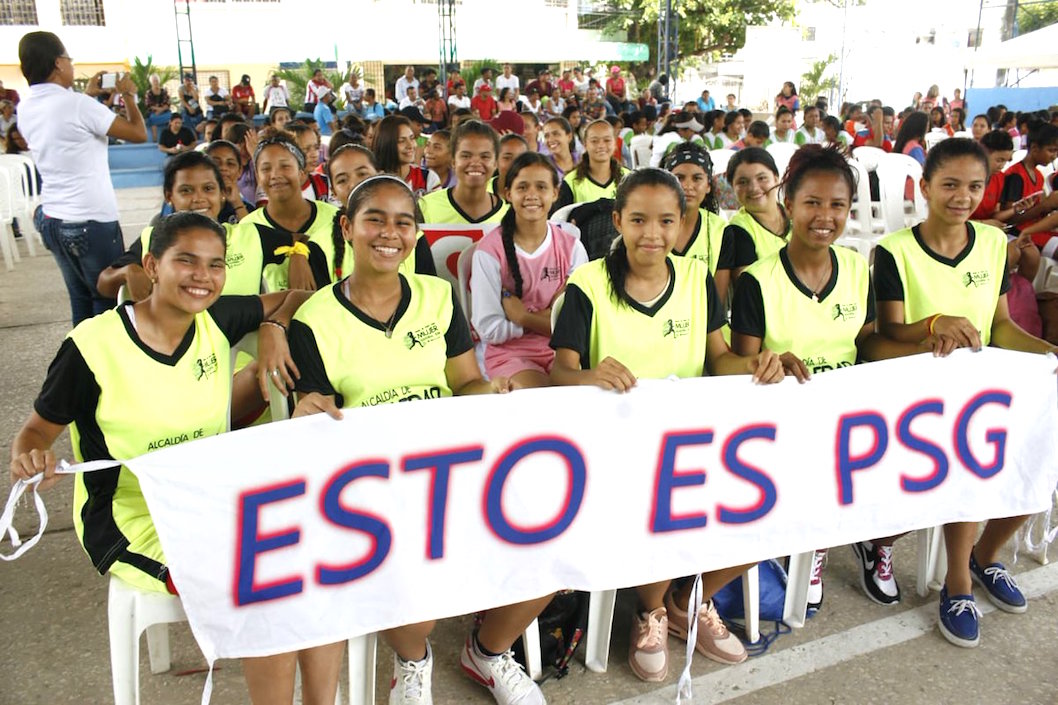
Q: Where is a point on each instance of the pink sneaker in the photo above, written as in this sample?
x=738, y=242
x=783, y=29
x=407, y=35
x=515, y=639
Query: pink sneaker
x=714, y=640
x=648, y=652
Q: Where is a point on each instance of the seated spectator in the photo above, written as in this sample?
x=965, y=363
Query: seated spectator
x=314, y=187
x=938, y=121
x=411, y=99
x=784, y=126
x=9, y=94
x=683, y=127
x=436, y=111
x=324, y=113
x=228, y=158
x=508, y=79
x=485, y=79
x=731, y=104
x=875, y=134
x=732, y=132
x=512, y=146
x=474, y=149
x=438, y=160
x=352, y=92
x=280, y=116
x=911, y=139
x=429, y=82
x=461, y=115
x=980, y=127
x=217, y=98
x=483, y=105
x=243, y=98
x=406, y=81
x=542, y=85
x=615, y=90
x=506, y=100
x=14, y=142
x=558, y=136
x=834, y=133
x=598, y=174
x=958, y=120
x=705, y=102
x=810, y=132
x=395, y=152
x=156, y=100
x=177, y=138
x=276, y=96
x=758, y=135
x=372, y=109
x=1023, y=190
x=190, y=108
x=531, y=131
x=459, y=99
x=313, y=88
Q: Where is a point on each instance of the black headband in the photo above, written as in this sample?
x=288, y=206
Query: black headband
x=688, y=156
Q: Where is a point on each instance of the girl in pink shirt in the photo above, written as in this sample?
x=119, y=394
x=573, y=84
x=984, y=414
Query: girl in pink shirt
x=518, y=270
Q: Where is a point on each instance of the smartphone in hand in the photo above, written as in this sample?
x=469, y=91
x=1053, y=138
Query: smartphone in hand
x=108, y=81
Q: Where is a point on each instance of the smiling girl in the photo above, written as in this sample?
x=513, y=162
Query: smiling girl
x=761, y=226
x=615, y=326
x=519, y=269
x=474, y=149
x=598, y=173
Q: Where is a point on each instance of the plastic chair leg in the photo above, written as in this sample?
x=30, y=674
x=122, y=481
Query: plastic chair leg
x=932, y=560
x=362, y=663
x=7, y=246
x=158, y=647
x=798, y=577
x=124, y=647
x=600, y=625
x=531, y=643
x=751, y=603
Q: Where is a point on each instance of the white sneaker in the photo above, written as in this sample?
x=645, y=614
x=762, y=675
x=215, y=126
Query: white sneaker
x=815, y=583
x=411, y=680
x=502, y=675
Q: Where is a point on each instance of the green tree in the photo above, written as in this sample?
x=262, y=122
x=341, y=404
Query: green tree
x=298, y=78
x=706, y=26
x=141, y=76
x=1036, y=16
x=815, y=82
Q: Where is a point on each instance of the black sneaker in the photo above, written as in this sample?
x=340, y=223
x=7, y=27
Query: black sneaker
x=876, y=572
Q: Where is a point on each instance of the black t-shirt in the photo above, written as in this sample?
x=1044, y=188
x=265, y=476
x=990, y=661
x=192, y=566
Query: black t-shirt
x=169, y=139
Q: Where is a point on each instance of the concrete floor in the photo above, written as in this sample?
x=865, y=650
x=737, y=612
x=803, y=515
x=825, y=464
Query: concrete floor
x=54, y=648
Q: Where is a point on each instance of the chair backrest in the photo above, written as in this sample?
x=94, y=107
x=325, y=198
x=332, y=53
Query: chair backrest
x=7, y=188
x=964, y=134
x=466, y=260
x=935, y=138
x=861, y=206
x=556, y=307
x=782, y=152
x=28, y=173
x=893, y=171
x=597, y=231
x=720, y=158
x=562, y=214
x=1018, y=155
x=869, y=156
x=640, y=148
x=277, y=402
x=448, y=241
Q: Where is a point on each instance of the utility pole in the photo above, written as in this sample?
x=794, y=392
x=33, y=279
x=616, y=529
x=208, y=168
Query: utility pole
x=184, y=42
x=668, y=44
x=446, y=29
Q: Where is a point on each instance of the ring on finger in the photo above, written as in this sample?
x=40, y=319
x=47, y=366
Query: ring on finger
x=275, y=372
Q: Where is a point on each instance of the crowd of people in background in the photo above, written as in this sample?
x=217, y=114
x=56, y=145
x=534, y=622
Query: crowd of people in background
x=330, y=199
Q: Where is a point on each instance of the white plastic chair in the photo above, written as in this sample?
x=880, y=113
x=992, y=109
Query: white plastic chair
x=465, y=262
x=782, y=152
x=935, y=137
x=130, y=612
x=277, y=402
x=893, y=172
x=639, y=146
x=8, y=247
x=562, y=214
x=25, y=196
x=964, y=134
x=1018, y=155
x=720, y=158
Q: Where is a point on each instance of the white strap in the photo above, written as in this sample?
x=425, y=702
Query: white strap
x=19, y=488
x=694, y=605
x=207, y=689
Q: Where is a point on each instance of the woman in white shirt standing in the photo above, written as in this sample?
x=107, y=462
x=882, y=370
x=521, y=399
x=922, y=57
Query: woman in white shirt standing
x=67, y=133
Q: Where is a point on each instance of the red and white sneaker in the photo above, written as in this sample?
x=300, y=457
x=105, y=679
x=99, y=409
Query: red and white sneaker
x=815, y=583
x=502, y=675
x=411, y=680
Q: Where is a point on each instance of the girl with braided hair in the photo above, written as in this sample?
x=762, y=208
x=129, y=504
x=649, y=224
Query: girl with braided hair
x=518, y=270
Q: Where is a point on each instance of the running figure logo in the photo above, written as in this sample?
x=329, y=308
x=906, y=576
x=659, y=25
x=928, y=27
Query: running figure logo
x=975, y=279
x=670, y=329
x=411, y=341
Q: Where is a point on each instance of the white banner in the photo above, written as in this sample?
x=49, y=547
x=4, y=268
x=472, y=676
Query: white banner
x=311, y=531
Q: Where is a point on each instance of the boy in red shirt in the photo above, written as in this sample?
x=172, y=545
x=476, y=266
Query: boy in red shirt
x=1023, y=181
x=243, y=97
x=483, y=105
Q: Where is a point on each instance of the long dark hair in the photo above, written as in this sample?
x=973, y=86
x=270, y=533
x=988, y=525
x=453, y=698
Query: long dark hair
x=508, y=225
x=617, y=259
x=568, y=129
x=584, y=165
x=337, y=238
x=386, y=152
x=913, y=127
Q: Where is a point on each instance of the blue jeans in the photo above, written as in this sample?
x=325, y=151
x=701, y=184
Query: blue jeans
x=83, y=250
